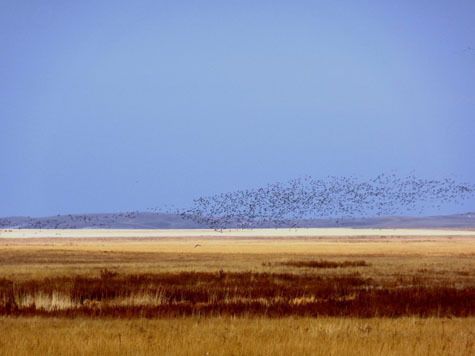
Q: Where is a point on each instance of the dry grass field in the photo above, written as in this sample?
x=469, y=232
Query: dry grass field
x=236, y=336
x=267, y=292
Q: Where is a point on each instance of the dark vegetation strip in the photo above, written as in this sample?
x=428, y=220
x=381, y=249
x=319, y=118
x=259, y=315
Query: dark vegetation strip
x=243, y=294
x=325, y=264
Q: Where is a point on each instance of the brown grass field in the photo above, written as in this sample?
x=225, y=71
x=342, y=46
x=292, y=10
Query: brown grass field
x=265, y=292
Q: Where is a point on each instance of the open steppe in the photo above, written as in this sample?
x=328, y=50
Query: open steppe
x=270, y=291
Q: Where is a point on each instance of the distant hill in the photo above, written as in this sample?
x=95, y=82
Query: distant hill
x=139, y=220
x=126, y=220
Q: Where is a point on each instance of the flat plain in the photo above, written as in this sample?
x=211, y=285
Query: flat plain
x=267, y=292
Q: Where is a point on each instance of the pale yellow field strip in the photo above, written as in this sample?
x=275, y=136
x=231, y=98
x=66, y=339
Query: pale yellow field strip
x=241, y=233
x=303, y=241
x=280, y=247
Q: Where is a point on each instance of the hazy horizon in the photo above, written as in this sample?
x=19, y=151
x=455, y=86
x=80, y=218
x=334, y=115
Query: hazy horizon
x=171, y=213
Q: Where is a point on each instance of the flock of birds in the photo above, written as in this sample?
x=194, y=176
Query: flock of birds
x=290, y=204
x=285, y=204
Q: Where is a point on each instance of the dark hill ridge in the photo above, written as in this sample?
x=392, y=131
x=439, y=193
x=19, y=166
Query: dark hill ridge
x=146, y=220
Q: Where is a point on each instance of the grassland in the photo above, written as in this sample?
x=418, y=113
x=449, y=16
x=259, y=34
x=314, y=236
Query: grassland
x=263, y=292
x=236, y=336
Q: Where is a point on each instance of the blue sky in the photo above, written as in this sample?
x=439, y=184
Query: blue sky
x=126, y=105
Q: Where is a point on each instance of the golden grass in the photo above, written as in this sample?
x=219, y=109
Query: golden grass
x=394, y=257
x=442, y=257
x=237, y=336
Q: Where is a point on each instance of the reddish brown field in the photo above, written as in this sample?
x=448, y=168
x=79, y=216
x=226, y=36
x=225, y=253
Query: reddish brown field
x=233, y=294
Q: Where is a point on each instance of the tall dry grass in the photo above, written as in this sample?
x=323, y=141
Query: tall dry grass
x=237, y=336
x=232, y=294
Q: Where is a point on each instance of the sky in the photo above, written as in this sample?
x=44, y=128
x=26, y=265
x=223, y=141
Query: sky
x=126, y=105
